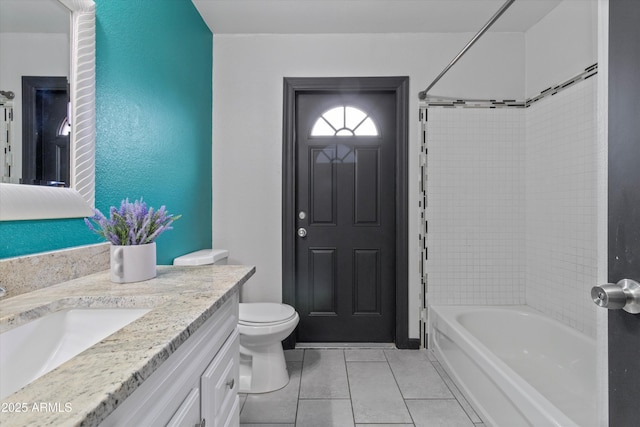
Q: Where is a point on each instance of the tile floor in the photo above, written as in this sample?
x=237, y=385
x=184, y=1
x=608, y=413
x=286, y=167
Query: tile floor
x=358, y=388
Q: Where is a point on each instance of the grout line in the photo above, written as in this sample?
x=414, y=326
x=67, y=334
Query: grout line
x=244, y=402
x=462, y=401
x=432, y=358
x=324, y=398
x=431, y=398
x=399, y=389
x=295, y=419
x=346, y=370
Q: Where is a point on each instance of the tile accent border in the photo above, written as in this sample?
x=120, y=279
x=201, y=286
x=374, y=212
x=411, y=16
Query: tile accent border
x=492, y=103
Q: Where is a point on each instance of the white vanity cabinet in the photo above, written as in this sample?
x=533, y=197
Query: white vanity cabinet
x=219, y=384
x=188, y=414
x=196, y=386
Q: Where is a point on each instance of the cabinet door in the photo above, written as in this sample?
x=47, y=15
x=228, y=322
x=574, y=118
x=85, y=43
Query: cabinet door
x=234, y=416
x=157, y=399
x=188, y=414
x=219, y=383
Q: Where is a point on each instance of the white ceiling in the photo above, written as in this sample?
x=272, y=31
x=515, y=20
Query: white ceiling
x=367, y=16
x=33, y=16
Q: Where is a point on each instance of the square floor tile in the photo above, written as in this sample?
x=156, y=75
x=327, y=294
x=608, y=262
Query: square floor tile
x=364, y=355
x=294, y=355
x=375, y=395
x=466, y=406
x=324, y=413
x=438, y=413
x=416, y=376
x=385, y=425
x=324, y=375
x=267, y=425
x=276, y=407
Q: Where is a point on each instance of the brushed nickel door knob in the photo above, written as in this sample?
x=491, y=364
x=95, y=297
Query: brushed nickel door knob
x=622, y=295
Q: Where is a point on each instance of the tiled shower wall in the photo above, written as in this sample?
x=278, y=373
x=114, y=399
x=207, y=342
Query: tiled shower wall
x=511, y=205
x=475, y=206
x=560, y=163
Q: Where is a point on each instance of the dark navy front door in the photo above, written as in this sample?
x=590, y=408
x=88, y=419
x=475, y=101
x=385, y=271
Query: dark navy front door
x=624, y=206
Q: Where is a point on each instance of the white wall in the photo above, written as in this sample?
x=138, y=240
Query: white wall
x=29, y=54
x=561, y=45
x=247, y=139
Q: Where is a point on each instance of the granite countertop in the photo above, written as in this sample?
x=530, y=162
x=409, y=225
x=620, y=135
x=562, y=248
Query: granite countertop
x=84, y=390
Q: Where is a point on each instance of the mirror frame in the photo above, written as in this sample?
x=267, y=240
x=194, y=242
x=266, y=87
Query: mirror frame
x=24, y=202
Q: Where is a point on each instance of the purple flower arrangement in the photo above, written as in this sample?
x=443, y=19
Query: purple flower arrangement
x=132, y=224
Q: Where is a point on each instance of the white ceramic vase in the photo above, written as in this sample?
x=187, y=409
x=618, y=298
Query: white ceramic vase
x=133, y=263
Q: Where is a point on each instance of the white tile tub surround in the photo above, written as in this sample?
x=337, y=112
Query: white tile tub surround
x=561, y=185
x=511, y=206
x=475, y=206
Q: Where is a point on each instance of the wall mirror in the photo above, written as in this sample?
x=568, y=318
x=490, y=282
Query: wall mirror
x=38, y=22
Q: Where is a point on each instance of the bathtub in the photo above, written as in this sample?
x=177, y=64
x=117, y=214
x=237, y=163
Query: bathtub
x=516, y=366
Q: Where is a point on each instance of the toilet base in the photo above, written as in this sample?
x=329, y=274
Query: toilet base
x=262, y=368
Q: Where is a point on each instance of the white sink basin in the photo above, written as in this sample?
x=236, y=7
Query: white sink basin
x=31, y=350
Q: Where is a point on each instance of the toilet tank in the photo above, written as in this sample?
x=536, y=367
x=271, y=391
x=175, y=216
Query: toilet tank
x=203, y=257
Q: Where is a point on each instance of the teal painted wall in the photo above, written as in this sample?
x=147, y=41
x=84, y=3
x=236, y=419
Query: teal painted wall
x=153, y=107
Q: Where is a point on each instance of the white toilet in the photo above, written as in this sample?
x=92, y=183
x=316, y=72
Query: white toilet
x=262, y=328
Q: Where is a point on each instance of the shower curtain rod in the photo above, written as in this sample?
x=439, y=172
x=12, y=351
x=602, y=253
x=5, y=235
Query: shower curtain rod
x=494, y=18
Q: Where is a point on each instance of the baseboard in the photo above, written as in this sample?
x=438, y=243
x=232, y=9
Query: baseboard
x=411, y=344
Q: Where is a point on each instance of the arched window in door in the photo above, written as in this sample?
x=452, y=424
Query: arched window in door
x=344, y=121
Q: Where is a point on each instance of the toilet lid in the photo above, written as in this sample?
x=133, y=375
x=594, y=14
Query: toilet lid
x=265, y=312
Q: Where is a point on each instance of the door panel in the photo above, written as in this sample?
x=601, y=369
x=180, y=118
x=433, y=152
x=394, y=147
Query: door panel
x=366, y=281
x=322, y=281
x=367, y=186
x=323, y=186
x=624, y=206
x=345, y=265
